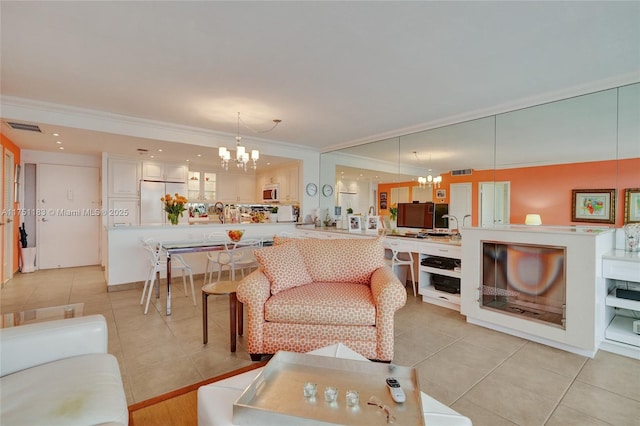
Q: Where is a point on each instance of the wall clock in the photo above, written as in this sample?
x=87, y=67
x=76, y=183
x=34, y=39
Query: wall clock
x=327, y=190
x=312, y=189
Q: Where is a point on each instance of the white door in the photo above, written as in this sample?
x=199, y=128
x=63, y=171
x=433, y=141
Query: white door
x=69, y=233
x=494, y=203
x=460, y=203
x=7, y=258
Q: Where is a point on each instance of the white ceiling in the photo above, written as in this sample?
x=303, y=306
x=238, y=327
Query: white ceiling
x=336, y=73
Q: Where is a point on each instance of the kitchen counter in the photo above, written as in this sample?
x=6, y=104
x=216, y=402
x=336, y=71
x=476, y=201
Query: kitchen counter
x=303, y=229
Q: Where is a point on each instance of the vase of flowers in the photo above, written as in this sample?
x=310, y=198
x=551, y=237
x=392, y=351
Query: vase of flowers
x=393, y=213
x=174, y=207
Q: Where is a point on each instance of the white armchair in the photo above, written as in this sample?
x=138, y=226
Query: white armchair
x=59, y=373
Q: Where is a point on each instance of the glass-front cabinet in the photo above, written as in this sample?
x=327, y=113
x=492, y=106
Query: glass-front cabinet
x=201, y=187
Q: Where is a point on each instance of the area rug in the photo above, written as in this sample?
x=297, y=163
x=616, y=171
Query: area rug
x=156, y=407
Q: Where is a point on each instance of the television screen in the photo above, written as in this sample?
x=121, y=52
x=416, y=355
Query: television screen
x=440, y=222
x=415, y=215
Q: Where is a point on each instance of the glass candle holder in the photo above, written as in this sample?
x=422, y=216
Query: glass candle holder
x=330, y=394
x=310, y=390
x=353, y=398
x=632, y=237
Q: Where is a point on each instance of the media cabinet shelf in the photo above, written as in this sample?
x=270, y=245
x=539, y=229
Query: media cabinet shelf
x=440, y=298
x=429, y=293
x=620, y=268
x=617, y=302
x=621, y=330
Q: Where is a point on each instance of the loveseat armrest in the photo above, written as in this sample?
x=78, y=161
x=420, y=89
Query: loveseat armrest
x=27, y=346
x=387, y=289
x=254, y=289
x=389, y=295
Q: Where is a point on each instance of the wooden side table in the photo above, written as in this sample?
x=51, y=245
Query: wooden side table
x=235, y=309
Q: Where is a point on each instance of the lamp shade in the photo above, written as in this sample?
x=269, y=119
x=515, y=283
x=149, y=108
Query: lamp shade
x=533, y=219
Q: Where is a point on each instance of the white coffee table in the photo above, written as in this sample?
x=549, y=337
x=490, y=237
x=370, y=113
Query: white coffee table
x=215, y=401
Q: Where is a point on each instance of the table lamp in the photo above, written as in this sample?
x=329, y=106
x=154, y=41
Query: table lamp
x=533, y=219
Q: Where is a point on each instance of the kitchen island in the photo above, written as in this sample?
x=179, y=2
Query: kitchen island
x=127, y=264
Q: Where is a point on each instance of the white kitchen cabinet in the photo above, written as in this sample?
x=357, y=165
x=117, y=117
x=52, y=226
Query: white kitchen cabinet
x=288, y=177
x=202, y=187
x=289, y=184
x=164, y=172
x=123, y=211
x=236, y=188
x=123, y=177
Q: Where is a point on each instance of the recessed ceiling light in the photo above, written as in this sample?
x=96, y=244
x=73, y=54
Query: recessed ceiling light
x=160, y=150
x=187, y=161
x=56, y=134
x=61, y=147
x=199, y=155
x=59, y=142
x=152, y=156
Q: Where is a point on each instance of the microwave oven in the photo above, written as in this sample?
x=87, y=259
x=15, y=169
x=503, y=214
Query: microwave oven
x=270, y=193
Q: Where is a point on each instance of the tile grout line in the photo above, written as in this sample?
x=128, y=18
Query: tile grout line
x=487, y=375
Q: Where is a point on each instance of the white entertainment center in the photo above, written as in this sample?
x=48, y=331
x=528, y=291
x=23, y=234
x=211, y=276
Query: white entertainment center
x=593, y=317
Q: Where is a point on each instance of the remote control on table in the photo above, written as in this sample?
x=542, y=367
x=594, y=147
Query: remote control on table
x=397, y=394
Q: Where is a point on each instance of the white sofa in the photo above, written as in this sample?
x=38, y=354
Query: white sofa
x=59, y=373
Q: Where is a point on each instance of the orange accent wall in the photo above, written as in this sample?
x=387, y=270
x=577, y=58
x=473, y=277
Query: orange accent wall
x=8, y=145
x=546, y=190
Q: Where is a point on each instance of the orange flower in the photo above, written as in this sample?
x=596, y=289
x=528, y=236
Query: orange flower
x=175, y=205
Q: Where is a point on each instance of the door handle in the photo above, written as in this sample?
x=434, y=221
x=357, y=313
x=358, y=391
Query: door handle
x=44, y=219
x=9, y=220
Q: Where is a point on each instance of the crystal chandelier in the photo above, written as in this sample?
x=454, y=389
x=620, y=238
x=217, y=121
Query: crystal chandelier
x=242, y=156
x=428, y=181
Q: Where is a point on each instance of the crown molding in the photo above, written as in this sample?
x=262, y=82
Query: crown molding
x=548, y=97
x=100, y=121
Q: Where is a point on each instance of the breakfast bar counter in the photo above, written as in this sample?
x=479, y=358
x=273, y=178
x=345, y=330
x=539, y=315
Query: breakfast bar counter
x=125, y=261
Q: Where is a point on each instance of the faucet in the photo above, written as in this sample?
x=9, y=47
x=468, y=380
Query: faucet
x=456, y=235
x=465, y=218
x=371, y=211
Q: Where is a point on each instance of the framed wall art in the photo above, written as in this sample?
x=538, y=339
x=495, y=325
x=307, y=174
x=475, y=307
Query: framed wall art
x=632, y=205
x=593, y=205
x=355, y=224
x=441, y=193
x=373, y=225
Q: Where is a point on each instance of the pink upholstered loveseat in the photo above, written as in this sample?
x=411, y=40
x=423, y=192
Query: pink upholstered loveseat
x=310, y=293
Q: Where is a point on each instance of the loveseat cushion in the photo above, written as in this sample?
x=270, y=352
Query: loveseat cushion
x=350, y=260
x=284, y=266
x=82, y=390
x=328, y=303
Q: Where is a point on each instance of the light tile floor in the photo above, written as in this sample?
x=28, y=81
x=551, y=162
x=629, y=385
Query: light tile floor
x=491, y=377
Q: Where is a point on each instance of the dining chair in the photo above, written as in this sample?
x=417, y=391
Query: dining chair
x=236, y=256
x=212, y=256
x=157, y=264
x=402, y=258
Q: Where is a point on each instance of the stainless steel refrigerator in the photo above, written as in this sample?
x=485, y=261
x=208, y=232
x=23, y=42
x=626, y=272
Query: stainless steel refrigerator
x=152, y=209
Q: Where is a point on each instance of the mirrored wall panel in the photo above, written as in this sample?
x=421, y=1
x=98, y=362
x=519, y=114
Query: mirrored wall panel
x=499, y=169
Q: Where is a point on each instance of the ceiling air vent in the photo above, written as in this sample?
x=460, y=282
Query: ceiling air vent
x=24, y=126
x=461, y=172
